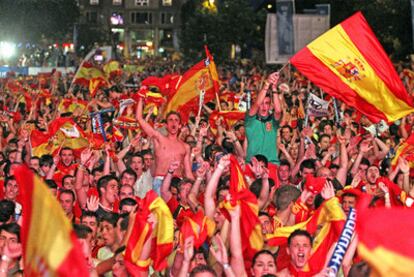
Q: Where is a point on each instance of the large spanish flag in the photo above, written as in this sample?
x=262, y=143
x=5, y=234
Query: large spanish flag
x=50, y=247
x=349, y=63
x=202, y=76
x=386, y=240
x=162, y=235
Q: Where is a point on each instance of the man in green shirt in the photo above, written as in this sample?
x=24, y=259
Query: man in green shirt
x=262, y=125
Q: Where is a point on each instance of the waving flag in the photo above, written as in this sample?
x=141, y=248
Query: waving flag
x=163, y=235
x=62, y=132
x=71, y=105
x=86, y=72
x=50, y=247
x=230, y=119
x=386, y=241
x=250, y=228
x=165, y=85
x=201, y=77
x=349, y=63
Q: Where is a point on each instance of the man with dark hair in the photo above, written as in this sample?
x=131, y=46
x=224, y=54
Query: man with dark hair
x=108, y=189
x=284, y=173
x=299, y=250
x=64, y=164
x=52, y=186
x=167, y=149
x=111, y=243
x=45, y=163
x=9, y=238
x=67, y=201
x=7, y=208
x=35, y=164
x=349, y=200
x=127, y=205
x=11, y=191
x=261, y=126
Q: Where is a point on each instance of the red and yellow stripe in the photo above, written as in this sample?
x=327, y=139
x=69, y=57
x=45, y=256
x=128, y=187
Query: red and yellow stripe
x=349, y=63
x=49, y=243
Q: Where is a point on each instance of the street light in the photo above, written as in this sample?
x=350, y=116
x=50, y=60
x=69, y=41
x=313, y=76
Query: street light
x=7, y=49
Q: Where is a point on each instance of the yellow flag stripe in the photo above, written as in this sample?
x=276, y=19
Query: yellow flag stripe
x=370, y=87
x=49, y=222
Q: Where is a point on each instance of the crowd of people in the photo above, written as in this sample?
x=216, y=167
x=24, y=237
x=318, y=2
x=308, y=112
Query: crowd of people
x=283, y=158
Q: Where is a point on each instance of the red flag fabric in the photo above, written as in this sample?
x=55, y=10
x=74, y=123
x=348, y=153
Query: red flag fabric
x=162, y=242
x=50, y=246
x=198, y=226
x=385, y=239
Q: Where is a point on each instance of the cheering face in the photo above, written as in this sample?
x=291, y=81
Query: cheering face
x=264, y=108
x=137, y=163
x=67, y=157
x=127, y=180
x=264, y=264
x=299, y=251
x=372, y=174
x=111, y=191
x=11, y=190
x=91, y=222
x=347, y=203
x=173, y=124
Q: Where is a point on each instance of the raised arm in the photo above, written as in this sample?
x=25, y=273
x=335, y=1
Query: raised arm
x=209, y=195
x=237, y=261
x=146, y=127
x=343, y=167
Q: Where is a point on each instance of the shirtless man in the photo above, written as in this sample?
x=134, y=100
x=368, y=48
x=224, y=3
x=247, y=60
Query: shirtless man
x=167, y=148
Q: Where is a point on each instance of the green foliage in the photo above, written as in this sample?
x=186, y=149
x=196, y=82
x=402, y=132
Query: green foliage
x=235, y=22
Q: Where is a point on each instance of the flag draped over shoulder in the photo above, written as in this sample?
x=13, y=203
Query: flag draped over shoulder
x=202, y=76
x=163, y=235
x=250, y=228
x=50, y=246
x=386, y=240
x=62, y=132
x=349, y=63
x=331, y=217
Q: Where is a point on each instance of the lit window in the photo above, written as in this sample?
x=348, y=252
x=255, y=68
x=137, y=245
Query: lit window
x=94, y=2
x=117, y=2
x=141, y=2
x=167, y=18
x=167, y=2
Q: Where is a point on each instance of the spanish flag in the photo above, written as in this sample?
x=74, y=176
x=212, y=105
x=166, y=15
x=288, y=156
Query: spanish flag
x=386, y=240
x=112, y=69
x=198, y=226
x=230, y=119
x=162, y=235
x=86, y=72
x=349, y=63
x=202, y=76
x=331, y=217
x=71, y=105
x=250, y=228
x=50, y=246
x=62, y=132
x=95, y=84
x=165, y=85
x=405, y=150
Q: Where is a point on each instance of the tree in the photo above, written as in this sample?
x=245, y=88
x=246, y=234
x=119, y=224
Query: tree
x=233, y=22
x=37, y=20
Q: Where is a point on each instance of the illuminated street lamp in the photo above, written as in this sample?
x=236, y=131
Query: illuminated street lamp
x=7, y=49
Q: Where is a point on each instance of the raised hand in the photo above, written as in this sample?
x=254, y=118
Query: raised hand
x=174, y=165
x=188, y=249
x=92, y=203
x=85, y=156
x=218, y=249
x=328, y=190
x=273, y=78
x=403, y=165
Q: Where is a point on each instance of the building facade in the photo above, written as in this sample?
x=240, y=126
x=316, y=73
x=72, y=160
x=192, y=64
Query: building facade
x=139, y=27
